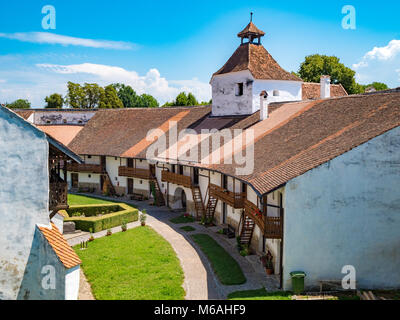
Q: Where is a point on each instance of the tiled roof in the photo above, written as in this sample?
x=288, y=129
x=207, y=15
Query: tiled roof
x=258, y=61
x=123, y=132
x=312, y=91
x=63, y=250
x=250, y=29
x=297, y=136
x=318, y=132
x=62, y=133
x=24, y=113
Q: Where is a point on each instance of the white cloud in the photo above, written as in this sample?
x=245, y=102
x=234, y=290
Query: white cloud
x=380, y=64
x=52, y=38
x=2, y=81
x=45, y=79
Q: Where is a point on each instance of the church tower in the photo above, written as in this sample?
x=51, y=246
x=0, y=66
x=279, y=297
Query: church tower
x=250, y=71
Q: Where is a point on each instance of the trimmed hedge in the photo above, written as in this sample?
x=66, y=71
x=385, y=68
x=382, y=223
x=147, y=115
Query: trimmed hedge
x=93, y=210
x=127, y=213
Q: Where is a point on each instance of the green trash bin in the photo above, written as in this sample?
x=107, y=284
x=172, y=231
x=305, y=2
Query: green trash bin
x=298, y=281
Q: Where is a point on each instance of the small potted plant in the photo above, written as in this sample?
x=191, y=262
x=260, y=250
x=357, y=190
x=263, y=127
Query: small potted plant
x=266, y=260
x=109, y=232
x=124, y=226
x=143, y=217
x=91, y=235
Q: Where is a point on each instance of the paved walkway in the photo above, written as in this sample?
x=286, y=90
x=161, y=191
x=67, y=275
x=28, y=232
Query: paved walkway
x=200, y=281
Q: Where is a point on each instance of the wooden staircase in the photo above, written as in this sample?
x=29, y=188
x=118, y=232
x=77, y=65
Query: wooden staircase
x=198, y=202
x=108, y=184
x=211, y=206
x=247, y=230
x=159, y=197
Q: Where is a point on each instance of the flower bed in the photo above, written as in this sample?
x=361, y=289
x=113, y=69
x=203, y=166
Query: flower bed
x=101, y=217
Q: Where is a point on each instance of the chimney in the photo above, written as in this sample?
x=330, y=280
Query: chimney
x=263, y=105
x=325, y=87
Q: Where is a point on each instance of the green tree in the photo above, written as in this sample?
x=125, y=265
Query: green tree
x=92, y=92
x=191, y=100
x=181, y=99
x=317, y=65
x=54, y=101
x=127, y=95
x=19, y=104
x=148, y=101
x=378, y=86
x=109, y=98
x=76, y=95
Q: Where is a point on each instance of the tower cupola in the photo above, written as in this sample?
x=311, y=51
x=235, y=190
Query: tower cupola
x=251, y=32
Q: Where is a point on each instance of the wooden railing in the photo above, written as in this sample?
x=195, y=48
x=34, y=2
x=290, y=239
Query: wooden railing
x=234, y=199
x=85, y=167
x=134, y=172
x=58, y=196
x=271, y=227
x=176, y=178
x=252, y=211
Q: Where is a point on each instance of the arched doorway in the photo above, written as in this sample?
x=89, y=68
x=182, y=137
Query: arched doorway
x=183, y=200
x=180, y=199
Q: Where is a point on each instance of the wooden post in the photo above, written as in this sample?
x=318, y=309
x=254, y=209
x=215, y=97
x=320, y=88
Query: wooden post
x=65, y=170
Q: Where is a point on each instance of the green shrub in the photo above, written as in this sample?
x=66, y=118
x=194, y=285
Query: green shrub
x=93, y=210
x=126, y=213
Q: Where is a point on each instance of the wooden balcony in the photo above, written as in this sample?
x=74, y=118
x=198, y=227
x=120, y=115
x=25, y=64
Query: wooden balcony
x=58, y=196
x=85, y=167
x=124, y=171
x=271, y=227
x=234, y=199
x=176, y=178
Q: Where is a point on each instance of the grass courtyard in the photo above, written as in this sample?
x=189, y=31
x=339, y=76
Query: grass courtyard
x=134, y=265
x=225, y=267
x=77, y=200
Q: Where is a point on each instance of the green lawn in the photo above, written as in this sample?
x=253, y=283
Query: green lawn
x=75, y=200
x=182, y=219
x=187, y=228
x=260, y=294
x=134, y=265
x=225, y=267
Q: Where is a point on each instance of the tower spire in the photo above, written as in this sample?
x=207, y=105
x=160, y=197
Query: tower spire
x=251, y=16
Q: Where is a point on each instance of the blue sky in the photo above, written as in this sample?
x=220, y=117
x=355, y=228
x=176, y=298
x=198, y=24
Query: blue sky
x=163, y=47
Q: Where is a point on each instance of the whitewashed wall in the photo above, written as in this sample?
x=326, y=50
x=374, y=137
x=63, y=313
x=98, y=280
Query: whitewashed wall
x=347, y=212
x=72, y=278
x=224, y=98
x=288, y=91
x=62, y=117
x=24, y=196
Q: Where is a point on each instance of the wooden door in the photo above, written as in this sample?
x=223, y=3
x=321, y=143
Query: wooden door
x=130, y=186
x=196, y=176
x=224, y=209
x=75, y=180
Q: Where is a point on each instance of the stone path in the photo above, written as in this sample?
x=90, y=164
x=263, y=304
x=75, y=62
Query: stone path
x=85, y=291
x=200, y=281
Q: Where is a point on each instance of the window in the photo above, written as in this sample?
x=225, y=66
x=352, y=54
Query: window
x=64, y=120
x=90, y=175
x=89, y=157
x=276, y=93
x=239, y=89
x=130, y=163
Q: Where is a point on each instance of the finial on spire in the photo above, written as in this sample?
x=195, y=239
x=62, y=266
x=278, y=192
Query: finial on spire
x=251, y=16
